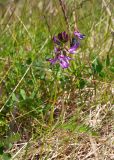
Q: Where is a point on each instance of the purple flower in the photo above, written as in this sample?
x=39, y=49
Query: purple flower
x=73, y=48
x=52, y=60
x=61, y=59
x=64, y=61
x=61, y=50
x=61, y=37
x=73, y=45
x=79, y=35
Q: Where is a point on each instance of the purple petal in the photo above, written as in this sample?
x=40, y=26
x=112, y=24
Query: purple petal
x=64, y=61
x=55, y=40
x=73, y=42
x=64, y=64
x=79, y=35
x=56, y=50
x=74, y=48
x=65, y=36
x=68, y=58
x=60, y=36
x=52, y=60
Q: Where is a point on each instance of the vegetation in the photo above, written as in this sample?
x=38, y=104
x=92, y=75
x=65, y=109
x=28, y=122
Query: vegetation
x=47, y=112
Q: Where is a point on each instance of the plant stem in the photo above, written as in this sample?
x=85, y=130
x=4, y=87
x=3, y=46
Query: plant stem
x=64, y=13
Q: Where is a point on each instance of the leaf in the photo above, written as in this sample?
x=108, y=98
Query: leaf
x=29, y=61
x=69, y=126
x=13, y=138
x=107, y=60
x=6, y=156
x=14, y=98
x=112, y=69
x=102, y=74
x=23, y=94
x=81, y=83
x=1, y=150
x=97, y=66
x=42, y=77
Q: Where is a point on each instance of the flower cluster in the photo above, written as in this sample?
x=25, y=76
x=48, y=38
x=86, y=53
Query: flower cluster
x=63, y=48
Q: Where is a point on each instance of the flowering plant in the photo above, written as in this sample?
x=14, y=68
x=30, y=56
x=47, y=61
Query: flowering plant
x=62, y=50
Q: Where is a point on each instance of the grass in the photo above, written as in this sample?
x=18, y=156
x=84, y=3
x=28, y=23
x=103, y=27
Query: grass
x=47, y=112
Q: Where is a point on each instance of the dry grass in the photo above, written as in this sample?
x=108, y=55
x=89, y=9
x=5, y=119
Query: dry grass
x=63, y=144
